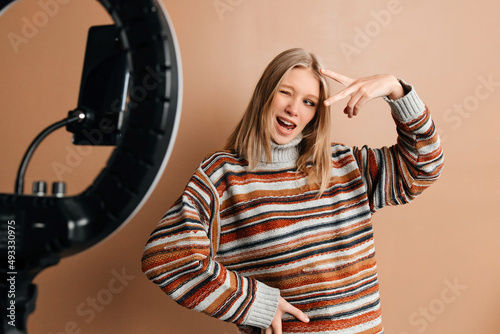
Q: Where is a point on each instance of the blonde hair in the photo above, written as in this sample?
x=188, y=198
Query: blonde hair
x=251, y=138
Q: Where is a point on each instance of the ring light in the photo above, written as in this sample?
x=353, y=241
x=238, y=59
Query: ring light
x=36, y=231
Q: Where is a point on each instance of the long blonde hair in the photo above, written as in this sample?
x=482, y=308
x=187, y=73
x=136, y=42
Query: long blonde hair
x=251, y=138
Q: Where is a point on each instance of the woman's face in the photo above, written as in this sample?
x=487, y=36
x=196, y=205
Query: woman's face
x=294, y=105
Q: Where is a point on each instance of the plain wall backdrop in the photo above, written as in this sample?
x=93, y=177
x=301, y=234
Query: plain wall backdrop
x=437, y=257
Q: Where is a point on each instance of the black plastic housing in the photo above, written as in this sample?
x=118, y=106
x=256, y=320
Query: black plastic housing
x=48, y=228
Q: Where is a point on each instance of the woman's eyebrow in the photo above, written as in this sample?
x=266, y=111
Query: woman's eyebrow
x=312, y=97
x=292, y=88
x=287, y=86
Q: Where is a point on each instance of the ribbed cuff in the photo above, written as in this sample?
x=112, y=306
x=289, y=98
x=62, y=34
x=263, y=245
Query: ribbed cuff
x=264, y=307
x=407, y=108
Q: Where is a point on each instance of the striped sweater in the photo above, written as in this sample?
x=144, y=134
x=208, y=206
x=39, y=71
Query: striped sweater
x=237, y=239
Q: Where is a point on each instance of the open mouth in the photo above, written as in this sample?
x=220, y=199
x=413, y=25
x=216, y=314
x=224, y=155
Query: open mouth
x=286, y=124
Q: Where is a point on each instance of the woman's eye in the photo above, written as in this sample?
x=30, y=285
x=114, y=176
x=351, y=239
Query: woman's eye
x=309, y=103
x=285, y=92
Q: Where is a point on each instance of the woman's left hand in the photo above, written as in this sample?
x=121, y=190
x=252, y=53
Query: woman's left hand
x=363, y=90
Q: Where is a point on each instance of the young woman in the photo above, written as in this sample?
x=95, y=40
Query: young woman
x=274, y=233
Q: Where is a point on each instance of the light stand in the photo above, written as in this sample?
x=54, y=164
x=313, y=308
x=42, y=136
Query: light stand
x=37, y=231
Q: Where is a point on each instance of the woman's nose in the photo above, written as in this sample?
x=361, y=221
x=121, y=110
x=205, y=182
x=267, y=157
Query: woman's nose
x=293, y=107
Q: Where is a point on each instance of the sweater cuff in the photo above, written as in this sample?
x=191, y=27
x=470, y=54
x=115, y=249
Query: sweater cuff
x=264, y=307
x=407, y=108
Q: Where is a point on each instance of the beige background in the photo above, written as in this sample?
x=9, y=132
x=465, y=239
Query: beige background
x=438, y=257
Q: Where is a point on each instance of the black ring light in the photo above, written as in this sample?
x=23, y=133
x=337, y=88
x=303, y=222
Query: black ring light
x=45, y=229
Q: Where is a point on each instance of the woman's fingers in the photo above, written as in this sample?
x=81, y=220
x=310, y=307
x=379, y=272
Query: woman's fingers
x=275, y=327
x=289, y=308
x=268, y=330
x=284, y=307
x=363, y=90
x=345, y=80
x=355, y=103
x=340, y=95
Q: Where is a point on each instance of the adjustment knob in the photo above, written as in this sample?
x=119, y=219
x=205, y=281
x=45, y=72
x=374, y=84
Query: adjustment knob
x=39, y=188
x=59, y=189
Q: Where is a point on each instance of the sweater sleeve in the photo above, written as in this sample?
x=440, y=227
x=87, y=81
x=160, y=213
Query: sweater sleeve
x=397, y=174
x=180, y=258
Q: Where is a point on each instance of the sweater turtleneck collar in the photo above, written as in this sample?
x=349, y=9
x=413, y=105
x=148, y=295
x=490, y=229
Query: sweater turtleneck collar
x=287, y=152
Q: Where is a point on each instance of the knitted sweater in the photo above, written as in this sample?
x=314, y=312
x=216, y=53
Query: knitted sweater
x=237, y=238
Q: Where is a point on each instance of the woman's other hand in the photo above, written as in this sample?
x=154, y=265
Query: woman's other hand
x=284, y=307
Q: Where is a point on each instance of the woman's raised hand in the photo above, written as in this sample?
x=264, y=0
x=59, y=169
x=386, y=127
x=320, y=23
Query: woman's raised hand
x=363, y=90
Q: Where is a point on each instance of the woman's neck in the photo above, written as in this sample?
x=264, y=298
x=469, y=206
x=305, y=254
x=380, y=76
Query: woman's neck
x=288, y=152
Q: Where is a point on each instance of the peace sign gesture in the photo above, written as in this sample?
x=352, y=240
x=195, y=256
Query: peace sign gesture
x=363, y=90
